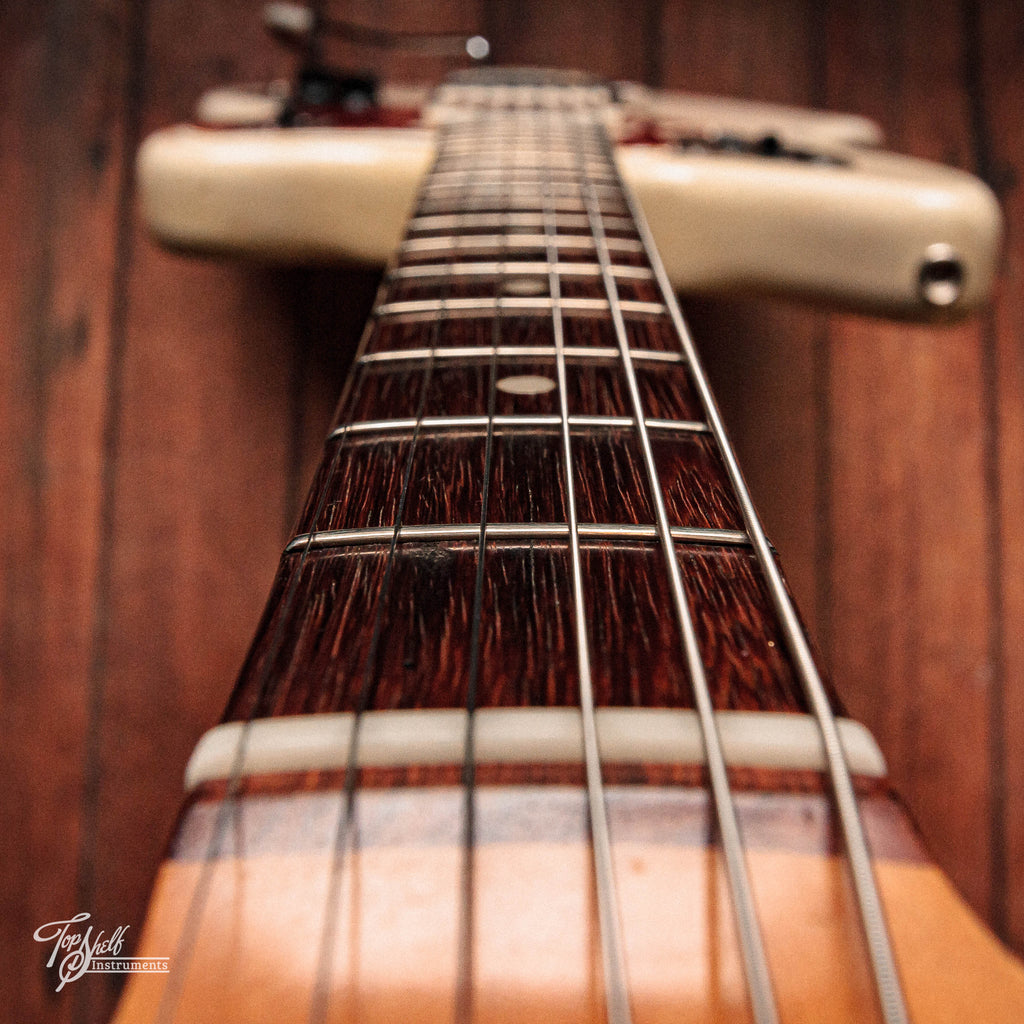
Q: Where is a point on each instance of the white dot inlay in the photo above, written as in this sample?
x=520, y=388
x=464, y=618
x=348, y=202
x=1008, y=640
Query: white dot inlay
x=524, y=286
x=526, y=384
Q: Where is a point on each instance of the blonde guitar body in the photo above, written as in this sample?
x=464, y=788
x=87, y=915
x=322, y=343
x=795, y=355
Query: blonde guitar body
x=836, y=220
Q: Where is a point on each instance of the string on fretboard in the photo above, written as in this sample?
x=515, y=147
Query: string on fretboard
x=526, y=471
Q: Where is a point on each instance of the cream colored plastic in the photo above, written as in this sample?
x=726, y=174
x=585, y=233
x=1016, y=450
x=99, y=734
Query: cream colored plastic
x=855, y=235
x=283, y=194
x=519, y=735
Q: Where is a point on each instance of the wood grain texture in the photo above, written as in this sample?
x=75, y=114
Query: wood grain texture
x=763, y=781
x=993, y=46
x=878, y=506
x=916, y=439
x=532, y=938
x=64, y=192
x=312, y=650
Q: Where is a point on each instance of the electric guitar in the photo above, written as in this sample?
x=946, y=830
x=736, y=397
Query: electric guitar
x=531, y=729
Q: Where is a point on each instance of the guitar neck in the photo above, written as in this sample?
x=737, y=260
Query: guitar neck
x=527, y=471
x=524, y=300
x=528, y=557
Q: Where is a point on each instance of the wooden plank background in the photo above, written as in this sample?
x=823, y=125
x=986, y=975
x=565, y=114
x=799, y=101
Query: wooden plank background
x=161, y=417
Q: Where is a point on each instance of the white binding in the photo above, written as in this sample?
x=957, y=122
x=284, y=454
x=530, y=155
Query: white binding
x=301, y=743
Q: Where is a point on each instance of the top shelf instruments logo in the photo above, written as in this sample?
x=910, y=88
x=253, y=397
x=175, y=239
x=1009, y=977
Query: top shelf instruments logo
x=76, y=951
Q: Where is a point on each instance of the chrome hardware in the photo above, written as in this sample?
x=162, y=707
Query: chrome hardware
x=941, y=277
x=297, y=25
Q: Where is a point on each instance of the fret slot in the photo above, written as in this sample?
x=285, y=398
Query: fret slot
x=635, y=643
x=456, y=389
x=393, y=334
x=440, y=271
x=356, y=486
x=505, y=183
x=634, y=292
x=498, y=202
x=694, y=482
x=327, y=640
x=492, y=249
x=512, y=284
x=417, y=327
x=599, y=171
x=527, y=478
x=519, y=280
x=448, y=464
x=425, y=616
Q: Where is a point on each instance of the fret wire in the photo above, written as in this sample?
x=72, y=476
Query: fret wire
x=514, y=242
x=488, y=179
x=567, y=204
x=514, y=421
x=888, y=986
x=758, y=976
x=356, y=536
x=516, y=268
x=516, y=352
x=446, y=222
x=564, y=190
x=413, y=308
x=616, y=988
x=492, y=166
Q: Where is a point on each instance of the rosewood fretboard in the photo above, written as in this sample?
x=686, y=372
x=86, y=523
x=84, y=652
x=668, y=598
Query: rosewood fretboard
x=454, y=397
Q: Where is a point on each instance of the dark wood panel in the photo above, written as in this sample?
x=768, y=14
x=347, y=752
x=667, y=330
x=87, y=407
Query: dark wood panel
x=908, y=476
x=609, y=40
x=993, y=51
x=172, y=568
x=767, y=361
x=62, y=149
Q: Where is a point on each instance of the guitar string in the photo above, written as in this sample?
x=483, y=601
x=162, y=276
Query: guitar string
x=467, y=923
x=755, y=963
x=888, y=986
x=613, y=961
x=189, y=934
x=262, y=695
x=345, y=830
